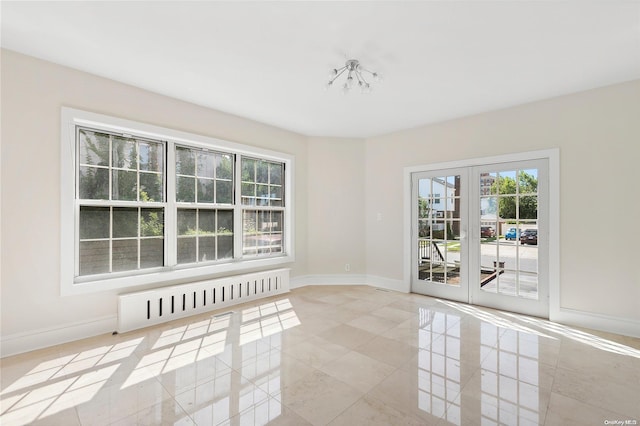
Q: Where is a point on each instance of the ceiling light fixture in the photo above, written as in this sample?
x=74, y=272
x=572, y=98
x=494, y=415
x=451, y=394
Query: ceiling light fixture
x=357, y=76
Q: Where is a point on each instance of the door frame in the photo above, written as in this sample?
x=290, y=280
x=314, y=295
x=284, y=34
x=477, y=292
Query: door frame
x=458, y=293
x=553, y=157
x=497, y=300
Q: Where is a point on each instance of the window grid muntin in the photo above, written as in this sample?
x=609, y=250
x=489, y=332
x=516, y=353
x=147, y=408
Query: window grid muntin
x=112, y=203
x=198, y=205
x=197, y=235
x=110, y=239
x=196, y=176
x=110, y=167
x=252, y=198
x=519, y=223
x=443, y=217
x=169, y=203
x=257, y=249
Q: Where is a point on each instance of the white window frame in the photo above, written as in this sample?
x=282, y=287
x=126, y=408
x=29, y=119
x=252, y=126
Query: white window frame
x=553, y=157
x=71, y=284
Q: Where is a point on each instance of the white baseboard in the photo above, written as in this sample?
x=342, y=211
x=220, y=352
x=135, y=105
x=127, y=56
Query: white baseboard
x=28, y=341
x=608, y=323
x=18, y=343
x=388, y=283
x=328, y=279
x=349, y=279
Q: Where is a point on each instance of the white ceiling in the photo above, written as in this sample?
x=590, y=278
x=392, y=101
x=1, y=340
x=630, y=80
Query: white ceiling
x=269, y=61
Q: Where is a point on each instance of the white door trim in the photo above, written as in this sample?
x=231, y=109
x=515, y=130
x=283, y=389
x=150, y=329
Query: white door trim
x=539, y=306
x=458, y=293
x=553, y=157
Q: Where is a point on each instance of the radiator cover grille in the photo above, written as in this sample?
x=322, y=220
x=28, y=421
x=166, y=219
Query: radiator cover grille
x=150, y=307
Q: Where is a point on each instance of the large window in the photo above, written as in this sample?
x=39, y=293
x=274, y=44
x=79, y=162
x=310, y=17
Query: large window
x=120, y=195
x=204, y=197
x=263, y=202
x=152, y=205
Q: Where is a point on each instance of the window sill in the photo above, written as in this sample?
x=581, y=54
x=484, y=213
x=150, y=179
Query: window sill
x=169, y=277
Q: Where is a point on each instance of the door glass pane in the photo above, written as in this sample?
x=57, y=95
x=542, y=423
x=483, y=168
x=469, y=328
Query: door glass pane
x=488, y=184
x=528, y=207
x=453, y=229
x=528, y=181
x=508, y=232
x=439, y=230
x=454, y=207
x=507, y=207
x=489, y=206
x=453, y=184
x=452, y=256
x=528, y=259
x=506, y=182
x=438, y=261
x=489, y=266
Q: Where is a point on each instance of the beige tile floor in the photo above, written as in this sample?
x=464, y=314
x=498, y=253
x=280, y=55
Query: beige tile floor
x=332, y=355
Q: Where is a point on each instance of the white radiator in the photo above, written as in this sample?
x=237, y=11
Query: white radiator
x=150, y=307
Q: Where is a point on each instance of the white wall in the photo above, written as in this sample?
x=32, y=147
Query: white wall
x=336, y=206
x=33, y=92
x=349, y=194
x=598, y=134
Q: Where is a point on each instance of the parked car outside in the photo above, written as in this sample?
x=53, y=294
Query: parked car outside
x=486, y=232
x=512, y=234
x=529, y=236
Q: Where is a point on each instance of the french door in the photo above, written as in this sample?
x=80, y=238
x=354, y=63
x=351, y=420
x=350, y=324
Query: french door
x=440, y=229
x=479, y=235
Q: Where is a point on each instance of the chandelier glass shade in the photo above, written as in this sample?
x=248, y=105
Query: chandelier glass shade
x=356, y=77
